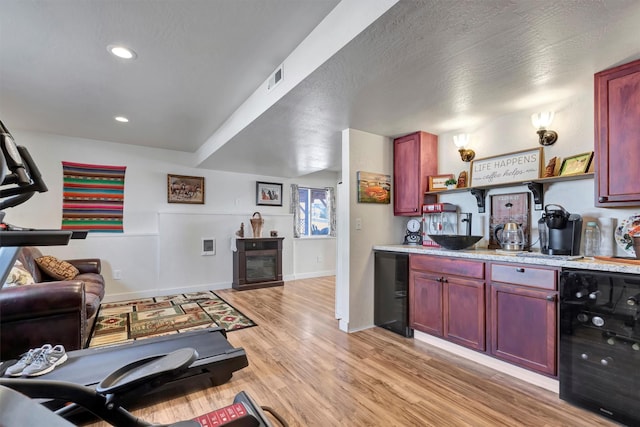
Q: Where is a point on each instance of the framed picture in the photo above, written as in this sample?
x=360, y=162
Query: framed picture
x=437, y=182
x=576, y=164
x=505, y=168
x=185, y=189
x=268, y=193
x=374, y=187
x=512, y=207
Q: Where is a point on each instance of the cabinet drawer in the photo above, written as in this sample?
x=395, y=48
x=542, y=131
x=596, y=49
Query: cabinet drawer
x=526, y=275
x=445, y=265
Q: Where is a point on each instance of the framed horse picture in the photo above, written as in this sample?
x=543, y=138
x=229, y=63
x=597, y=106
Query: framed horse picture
x=185, y=189
x=268, y=193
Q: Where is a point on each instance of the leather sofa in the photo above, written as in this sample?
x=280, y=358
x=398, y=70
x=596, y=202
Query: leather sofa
x=50, y=310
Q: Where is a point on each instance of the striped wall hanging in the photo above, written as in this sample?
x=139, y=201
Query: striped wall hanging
x=93, y=197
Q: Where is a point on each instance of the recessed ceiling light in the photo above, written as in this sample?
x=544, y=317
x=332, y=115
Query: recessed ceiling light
x=121, y=119
x=121, y=51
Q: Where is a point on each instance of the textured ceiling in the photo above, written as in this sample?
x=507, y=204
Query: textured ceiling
x=438, y=66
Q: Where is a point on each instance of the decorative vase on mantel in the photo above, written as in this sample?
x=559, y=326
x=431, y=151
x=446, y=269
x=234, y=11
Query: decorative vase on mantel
x=256, y=224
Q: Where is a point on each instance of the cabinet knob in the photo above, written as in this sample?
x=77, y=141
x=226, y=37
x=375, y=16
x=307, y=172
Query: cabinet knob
x=551, y=298
x=520, y=270
x=603, y=199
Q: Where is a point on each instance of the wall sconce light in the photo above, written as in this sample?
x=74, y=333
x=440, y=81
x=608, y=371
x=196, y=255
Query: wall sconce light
x=541, y=121
x=461, y=142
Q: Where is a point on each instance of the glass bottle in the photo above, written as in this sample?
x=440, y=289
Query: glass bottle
x=591, y=239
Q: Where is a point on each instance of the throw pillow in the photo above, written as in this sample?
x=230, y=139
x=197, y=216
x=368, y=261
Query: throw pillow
x=56, y=268
x=18, y=276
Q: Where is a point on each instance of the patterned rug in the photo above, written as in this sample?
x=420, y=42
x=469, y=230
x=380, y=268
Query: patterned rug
x=127, y=321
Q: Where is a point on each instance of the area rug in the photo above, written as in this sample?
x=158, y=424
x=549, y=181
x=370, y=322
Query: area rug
x=127, y=321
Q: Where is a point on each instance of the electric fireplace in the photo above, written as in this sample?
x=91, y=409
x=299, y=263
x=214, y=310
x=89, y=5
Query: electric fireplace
x=257, y=263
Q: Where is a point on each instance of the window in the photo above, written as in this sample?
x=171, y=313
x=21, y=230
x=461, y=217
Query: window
x=314, y=212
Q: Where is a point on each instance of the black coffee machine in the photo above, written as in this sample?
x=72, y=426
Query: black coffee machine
x=559, y=231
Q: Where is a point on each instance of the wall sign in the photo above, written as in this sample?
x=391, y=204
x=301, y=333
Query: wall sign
x=513, y=167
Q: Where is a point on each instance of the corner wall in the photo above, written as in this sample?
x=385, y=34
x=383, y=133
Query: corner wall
x=368, y=153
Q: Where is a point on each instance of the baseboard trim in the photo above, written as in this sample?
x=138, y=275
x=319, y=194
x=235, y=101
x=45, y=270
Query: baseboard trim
x=125, y=296
x=504, y=367
x=311, y=275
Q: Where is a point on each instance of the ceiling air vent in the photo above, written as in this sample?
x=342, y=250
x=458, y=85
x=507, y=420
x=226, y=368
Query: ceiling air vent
x=275, y=78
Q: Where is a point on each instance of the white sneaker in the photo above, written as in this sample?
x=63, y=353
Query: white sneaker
x=46, y=361
x=26, y=360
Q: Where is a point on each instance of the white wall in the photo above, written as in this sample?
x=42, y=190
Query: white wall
x=369, y=153
x=159, y=251
x=574, y=122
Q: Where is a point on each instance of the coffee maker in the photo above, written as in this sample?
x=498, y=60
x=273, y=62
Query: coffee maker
x=559, y=231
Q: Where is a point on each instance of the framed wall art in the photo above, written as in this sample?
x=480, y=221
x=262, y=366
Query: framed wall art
x=577, y=164
x=513, y=207
x=437, y=182
x=185, y=189
x=268, y=193
x=373, y=187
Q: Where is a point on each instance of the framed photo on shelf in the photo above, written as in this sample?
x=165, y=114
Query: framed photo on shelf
x=576, y=164
x=185, y=189
x=268, y=193
x=437, y=182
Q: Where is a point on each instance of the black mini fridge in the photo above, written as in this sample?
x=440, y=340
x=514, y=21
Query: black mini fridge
x=391, y=292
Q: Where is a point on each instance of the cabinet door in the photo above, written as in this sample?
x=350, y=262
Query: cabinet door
x=425, y=299
x=523, y=326
x=464, y=313
x=617, y=108
x=415, y=157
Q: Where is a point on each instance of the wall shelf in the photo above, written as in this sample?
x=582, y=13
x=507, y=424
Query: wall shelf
x=536, y=186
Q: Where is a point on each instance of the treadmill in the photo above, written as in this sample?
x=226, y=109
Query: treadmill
x=215, y=364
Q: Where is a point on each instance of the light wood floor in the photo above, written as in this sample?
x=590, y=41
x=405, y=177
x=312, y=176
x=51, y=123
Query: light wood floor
x=311, y=373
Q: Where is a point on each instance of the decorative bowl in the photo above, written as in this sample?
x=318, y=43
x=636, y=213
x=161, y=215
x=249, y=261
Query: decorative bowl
x=454, y=241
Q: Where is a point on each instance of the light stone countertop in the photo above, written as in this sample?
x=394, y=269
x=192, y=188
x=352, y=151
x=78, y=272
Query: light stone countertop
x=586, y=263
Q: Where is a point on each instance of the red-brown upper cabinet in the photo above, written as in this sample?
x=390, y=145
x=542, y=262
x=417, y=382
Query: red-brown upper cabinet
x=415, y=157
x=617, y=136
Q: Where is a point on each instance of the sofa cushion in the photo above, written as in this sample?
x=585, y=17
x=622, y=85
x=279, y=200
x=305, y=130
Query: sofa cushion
x=18, y=276
x=56, y=268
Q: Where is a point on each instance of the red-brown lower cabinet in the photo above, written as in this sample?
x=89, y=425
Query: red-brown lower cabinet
x=447, y=299
x=523, y=316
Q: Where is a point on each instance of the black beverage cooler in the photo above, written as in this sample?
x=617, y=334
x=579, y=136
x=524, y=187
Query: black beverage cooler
x=600, y=343
x=391, y=292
